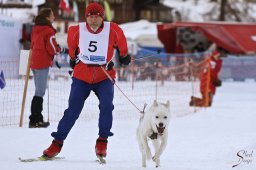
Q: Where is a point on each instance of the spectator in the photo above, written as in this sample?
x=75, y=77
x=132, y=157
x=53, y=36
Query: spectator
x=43, y=49
x=208, y=84
x=91, y=47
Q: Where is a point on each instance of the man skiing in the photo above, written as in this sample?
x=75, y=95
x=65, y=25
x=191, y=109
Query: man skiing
x=91, y=47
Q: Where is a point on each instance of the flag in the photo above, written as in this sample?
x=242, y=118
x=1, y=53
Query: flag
x=76, y=12
x=64, y=5
x=107, y=11
x=86, y=3
x=2, y=80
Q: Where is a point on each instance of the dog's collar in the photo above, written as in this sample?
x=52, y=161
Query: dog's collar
x=153, y=136
x=160, y=132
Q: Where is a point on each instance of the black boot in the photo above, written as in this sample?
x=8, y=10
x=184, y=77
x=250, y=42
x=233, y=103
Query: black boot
x=36, y=117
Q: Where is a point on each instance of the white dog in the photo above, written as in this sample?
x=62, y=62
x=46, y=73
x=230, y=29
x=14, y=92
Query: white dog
x=153, y=125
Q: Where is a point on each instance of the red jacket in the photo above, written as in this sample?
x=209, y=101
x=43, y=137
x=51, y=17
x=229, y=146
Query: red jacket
x=43, y=46
x=214, y=75
x=95, y=74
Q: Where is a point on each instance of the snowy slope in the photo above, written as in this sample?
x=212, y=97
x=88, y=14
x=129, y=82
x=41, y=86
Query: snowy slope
x=208, y=140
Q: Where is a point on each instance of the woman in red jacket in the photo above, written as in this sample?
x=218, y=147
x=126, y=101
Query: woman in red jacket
x=43, y=48
x=208, y=85
x=91, y=48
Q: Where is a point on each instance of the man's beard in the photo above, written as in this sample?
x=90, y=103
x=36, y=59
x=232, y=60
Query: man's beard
x=94, y=27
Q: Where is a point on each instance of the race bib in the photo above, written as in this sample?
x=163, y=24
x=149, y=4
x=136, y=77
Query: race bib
x=93, y=47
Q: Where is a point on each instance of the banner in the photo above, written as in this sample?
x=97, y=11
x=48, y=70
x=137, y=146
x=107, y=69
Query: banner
x=10, y=35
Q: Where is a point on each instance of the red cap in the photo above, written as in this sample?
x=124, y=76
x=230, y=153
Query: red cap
x=94, y=9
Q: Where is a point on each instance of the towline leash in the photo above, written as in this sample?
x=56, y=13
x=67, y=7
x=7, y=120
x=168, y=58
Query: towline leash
x=111, y=79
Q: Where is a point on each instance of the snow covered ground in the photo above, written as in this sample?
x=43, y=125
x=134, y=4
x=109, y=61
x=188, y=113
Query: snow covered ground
x=207, y=140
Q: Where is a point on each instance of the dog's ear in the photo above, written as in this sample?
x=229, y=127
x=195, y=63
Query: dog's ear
x=155, y=103
x=167, y=104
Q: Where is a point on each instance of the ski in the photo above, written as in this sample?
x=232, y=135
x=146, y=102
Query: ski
x=101, y=160
x=41, y=158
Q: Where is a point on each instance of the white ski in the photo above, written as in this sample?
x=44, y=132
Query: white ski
x=41, y=158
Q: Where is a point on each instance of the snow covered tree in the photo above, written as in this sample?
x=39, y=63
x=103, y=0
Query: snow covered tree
x=237, y=10
x=214, y=10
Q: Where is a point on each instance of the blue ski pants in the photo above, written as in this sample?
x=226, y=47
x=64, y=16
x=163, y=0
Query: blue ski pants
x=80, y=91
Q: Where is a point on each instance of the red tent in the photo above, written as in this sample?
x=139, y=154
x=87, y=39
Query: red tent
x=236, y=38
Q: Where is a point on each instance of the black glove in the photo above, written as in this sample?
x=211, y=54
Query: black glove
x=73, y=63
x=110, y=65
x=217, y=82
x=125, y=60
